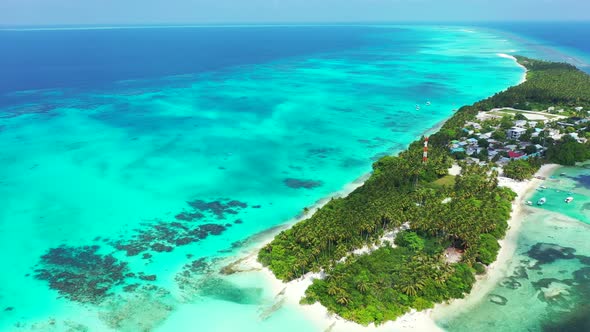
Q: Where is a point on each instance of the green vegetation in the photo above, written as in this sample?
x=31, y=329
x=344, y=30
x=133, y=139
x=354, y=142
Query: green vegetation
x=468, y=212
x=522, y=169
x=548, y=84
x=568, y=151
x=448, y=180
x=390, y=281
x=387, y=283
x=383, y=203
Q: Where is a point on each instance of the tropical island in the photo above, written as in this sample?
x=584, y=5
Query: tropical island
x=414, y=235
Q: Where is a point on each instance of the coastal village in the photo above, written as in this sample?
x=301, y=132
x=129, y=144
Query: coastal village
x=504, y=134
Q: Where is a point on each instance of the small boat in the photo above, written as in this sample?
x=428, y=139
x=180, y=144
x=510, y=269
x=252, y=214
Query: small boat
x=562, y=174
x=529, y=203
x=569, y=199
x=428, y=103
x=543, y=187
x=417, y=107
x=542, y=201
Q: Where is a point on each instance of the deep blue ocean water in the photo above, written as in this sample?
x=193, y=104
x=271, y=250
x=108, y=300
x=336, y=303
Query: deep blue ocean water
x=89, y=58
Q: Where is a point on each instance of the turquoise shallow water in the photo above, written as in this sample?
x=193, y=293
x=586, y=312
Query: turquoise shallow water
x=547, y=284
x=568, y=182
x=119, y=202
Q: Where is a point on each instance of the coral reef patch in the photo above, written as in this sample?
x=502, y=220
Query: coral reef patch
x=165, y=236
x=302, y=184
x=80, y=273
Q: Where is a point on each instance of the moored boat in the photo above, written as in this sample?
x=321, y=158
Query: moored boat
x=542, y=201
x=569, y=199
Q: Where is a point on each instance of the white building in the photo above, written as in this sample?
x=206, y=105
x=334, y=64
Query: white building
x=515, y=132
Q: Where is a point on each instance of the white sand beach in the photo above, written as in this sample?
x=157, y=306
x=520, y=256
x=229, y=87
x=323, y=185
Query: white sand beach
x=508, y=56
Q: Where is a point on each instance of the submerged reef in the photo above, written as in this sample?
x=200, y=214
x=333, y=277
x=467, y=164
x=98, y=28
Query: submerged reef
x=322, y=153
x=88, y=275
x=141, y=311
x=189, y=278
x=218, y=208
x=221, y=289
x=583, y=181
x=577, y=320
x=498, y=299
x=165, y=236
x=80, y=273
x=201, y=278
x=305, y=184
x=567, y=296
x=546, y=253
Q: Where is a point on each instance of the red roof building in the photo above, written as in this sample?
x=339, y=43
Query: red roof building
x=515, y=155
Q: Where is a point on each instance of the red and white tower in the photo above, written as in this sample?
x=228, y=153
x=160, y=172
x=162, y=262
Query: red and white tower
x=425, y=154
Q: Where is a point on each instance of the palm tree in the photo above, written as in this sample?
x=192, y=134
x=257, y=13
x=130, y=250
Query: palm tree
x=343, y=299
x=362, y=286
x=333, y=289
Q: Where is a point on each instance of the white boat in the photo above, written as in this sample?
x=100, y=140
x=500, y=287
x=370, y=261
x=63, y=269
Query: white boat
x=417, y=107
x=529, y=203
x=427, y=103
x=569, y=199
x=543, y=187
x=542, y=201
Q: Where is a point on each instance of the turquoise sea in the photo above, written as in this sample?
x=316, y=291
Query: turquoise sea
x=547, y=283
x=136, y=162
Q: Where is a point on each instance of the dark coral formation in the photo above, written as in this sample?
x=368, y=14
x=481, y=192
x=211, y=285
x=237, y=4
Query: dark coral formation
x=165, y=236
x=188, y=278
x=189, y=216
x=321, y=152
x=498, y=299
x=305, y=184
x=510, y=283
x=199, y=209
x=81, y=273
x=84, y=275
x=218, y=208
x=583, y=180
x=546, y=253
x=577, y=320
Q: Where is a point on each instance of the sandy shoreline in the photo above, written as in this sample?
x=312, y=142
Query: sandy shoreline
x=508, y=56
x=291, y=292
